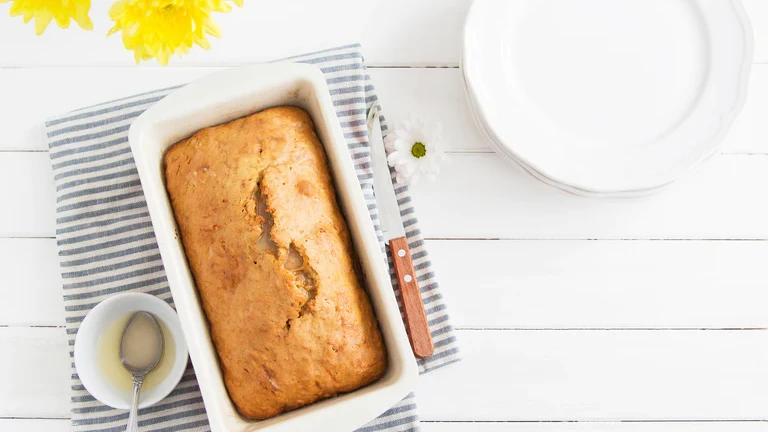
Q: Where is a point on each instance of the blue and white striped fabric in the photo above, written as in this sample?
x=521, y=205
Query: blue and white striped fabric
x=107, y=245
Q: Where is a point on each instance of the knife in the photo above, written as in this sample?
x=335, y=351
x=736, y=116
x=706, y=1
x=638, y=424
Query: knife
x=394, y=234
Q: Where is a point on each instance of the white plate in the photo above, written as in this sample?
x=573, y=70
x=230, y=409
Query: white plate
x=222, y=97
x=504, y=153
x=608, y=96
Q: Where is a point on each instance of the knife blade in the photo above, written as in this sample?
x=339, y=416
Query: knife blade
x=391, y=223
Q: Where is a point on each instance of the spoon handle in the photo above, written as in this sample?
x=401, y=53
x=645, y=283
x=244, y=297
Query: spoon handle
x=133, y=418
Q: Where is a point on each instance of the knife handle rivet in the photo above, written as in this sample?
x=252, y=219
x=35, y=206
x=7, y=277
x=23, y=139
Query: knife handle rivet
x=401, y=253
x=407, y=278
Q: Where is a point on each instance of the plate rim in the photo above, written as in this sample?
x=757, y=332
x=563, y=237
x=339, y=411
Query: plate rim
x=643, y=186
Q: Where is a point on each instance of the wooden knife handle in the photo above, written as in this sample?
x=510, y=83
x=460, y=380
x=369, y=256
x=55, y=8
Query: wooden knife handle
x=415, y=316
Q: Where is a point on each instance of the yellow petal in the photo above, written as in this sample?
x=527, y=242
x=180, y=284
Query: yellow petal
x=62, y=20
x=84, y=22
x=160, y=29
x=116, y=8
x=16, y=9
x=44, y=11
x=212, y=28
x=203, y=42
x=113, y=30
x=131, y=30
x=81, y=15
x=162, y=57
x=42, y=20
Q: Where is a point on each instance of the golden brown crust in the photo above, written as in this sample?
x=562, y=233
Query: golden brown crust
x=289, y=317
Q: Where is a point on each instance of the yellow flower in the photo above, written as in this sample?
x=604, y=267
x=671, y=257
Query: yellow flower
x=43, y=11
x=160, y=28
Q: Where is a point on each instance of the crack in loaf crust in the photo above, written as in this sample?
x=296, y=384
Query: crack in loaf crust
x=273, y=262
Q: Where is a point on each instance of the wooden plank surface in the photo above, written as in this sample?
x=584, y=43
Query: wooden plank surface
x=603, y=284
x=27, y=195
x=538, y=376
x=438, y=95
x=30, y=283
x=40, y=93
x=757, y=10
x=482, y=196
x=62, y=425
x=594, y=427
x=601, y=375
x=510, y=375
x=395, y=32
x=512, y=284
x=34, y=372
x=433, y=93
x=34, y=425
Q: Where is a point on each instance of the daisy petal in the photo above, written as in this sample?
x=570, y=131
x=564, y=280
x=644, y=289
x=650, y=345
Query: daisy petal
x=400, y=144
x=415, y=178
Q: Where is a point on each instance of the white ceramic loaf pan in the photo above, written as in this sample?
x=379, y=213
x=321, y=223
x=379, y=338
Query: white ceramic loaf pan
x=219, y=98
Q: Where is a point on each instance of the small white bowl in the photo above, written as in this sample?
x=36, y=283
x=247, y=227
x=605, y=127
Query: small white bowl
x=93, y=326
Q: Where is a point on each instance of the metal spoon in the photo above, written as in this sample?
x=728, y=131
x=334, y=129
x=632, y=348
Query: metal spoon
x=140, y=365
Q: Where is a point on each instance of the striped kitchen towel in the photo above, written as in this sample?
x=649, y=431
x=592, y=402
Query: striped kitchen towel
x=107, y=245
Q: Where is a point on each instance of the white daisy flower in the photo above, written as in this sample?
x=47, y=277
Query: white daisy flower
x=415, y=150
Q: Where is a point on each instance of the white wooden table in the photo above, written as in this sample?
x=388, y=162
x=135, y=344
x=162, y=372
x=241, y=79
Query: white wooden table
x=573, y=314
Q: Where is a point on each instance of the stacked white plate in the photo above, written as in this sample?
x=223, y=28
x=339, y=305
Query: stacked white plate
x=605, y=97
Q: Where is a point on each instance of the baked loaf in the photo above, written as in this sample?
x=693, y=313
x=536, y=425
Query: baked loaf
x=273, y=262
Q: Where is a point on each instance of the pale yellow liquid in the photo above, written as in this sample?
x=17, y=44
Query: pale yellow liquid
x=108, y=358
x=141, y=345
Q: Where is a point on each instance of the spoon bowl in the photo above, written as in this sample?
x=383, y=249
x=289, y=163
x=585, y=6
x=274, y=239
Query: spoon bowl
x=141, y=347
